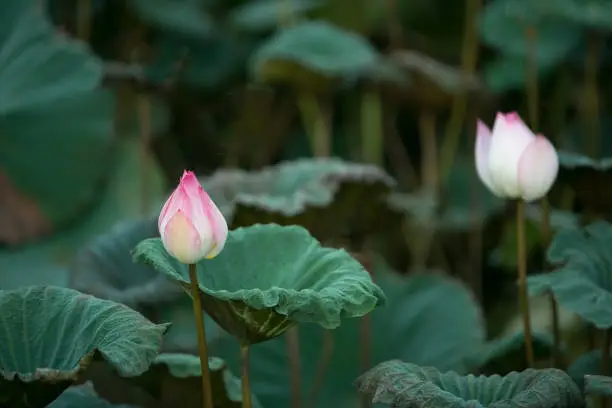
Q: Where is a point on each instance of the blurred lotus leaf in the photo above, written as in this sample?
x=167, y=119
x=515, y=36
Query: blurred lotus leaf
x=506, y=354
x=398, y=384
x=186, y=17
x=202, y=62
x=52, y=117
x=414, y=325
x=598, y=385
x=267, y=15
x=269, y=277
x=318, y=194
x=593, y=14
x=71, y=330
x=310, y=54
x=434, y=83
x=105, y=269
x=509, y=26
x=582, y=280
x=507, y=72
x=589, y=179
x=81, y=396
x=588, y=363
x=175, y=380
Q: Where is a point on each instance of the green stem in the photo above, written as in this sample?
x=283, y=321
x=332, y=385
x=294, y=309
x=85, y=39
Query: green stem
x=315, y=124
x=366, y=351
x=293, y=350
x=144, y=115
x=522, y=281
x=246, y=377
x=327, y=351
x=371, y=128
x=199, y=317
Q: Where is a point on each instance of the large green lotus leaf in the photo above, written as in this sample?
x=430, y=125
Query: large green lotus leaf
x=269, y=277
x=503, y=25
x=414, y=325
x=104, y=268
x=206, y=63
x=582, y=281
x=507, y=72
x=598, y=385
x=589, y=179
x=398, y=384
x=186, y=17
x=49, y=262
x=83, y=396
x=307, y=51
x=52, y=117
x=50, y=335
x=266, y=15
x=318, y=194
x=175, y=379
x=587, y=364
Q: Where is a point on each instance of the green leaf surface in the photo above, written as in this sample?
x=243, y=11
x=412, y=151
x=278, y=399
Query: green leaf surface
x=398, y=384
x=587, y=364
x=268, y=278
x=591, y=14
x=504, y=23
x=83, y=396
x=314, y=46
x=318, y=194
x=55, y=125
x=414, y=325
x=266, y=15
x=507, y=72
x=582, y=281
x=50, y=334
x=186, y=17
x=598, y=385
x=175, y=379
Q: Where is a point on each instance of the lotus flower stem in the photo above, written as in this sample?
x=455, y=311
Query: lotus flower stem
x=315, y=123
x=522, y=281
x=144, y=116
x=366, y=351
x=372, y=141
x=246, y=376
x=199, y=318
x=327, y=351
x=293, y=351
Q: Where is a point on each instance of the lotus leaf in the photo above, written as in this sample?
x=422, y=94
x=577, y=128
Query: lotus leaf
x=266, y=15
x=187, y=17
x=50, y=335
x=587, y=364
x=255, y=291
x=398, y=384
x=83, y=396
x=598, y=385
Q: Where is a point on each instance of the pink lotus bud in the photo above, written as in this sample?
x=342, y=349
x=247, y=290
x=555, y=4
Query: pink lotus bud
x=190, y=224
x=513, y=162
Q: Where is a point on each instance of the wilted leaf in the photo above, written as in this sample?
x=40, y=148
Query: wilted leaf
x=582, y=280
x=310, y=52
x=318, y=194
x=83, y=396
x=398, y=384
x=268, y=278
x=186, y=17
x=56, y=126
x=266, y=15
x=70, y=330
x=176, y=380
x=414, y=325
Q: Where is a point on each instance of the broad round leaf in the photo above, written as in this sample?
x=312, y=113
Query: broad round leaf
x=176, y=380
x=414, y=325
x=82, y=396
x=186, y=17
x=582, y=282
x=313, y=47
x=104, y=268
x=266, y=15
x=317, y=194
x=50, y=334
x=398, y=384
x=268, y=278
x=51, y=117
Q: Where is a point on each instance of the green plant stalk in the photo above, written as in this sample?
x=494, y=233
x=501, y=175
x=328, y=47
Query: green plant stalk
x=245, y=373
x=591, y=96
x=202, y=348
x=293, y=351
x=144, y=115
x=314, y=122
x=469, y=60
x=522, y=281
x=429, y=151
x=605, y=359
x=365, y=328
x=327, y=351
x=372, y=140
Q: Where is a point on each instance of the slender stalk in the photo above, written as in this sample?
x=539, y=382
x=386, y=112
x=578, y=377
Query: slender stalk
x=293, y=350
x=372, y=141
x=199, y=318
x=315, y=123
x=245, y=371
x=605, y=359
x=326, y=354
x=429, y=151
x=144, y=115
x=365, y=335
x=469, y=60
x=522, y=281
x=591, y=96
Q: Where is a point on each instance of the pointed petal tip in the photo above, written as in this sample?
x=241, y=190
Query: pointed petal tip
x=482, y=129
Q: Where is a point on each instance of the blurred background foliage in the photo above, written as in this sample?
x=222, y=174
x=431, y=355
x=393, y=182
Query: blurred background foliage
x=103, y=103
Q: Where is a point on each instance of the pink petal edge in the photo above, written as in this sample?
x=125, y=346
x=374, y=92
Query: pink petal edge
x=538, y=169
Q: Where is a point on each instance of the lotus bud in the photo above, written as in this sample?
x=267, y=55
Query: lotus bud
x=512, y=161
x=190, y=224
